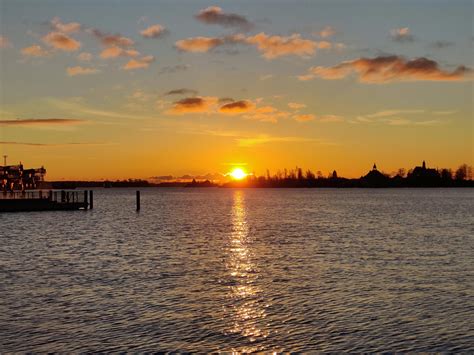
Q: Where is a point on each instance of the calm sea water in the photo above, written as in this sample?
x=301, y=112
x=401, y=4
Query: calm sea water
x=245, y=270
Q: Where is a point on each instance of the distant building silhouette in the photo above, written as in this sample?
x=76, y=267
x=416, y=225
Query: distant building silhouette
x=423, y=176
x=375, y=178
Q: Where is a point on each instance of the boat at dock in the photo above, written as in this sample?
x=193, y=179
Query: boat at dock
x=23, y=190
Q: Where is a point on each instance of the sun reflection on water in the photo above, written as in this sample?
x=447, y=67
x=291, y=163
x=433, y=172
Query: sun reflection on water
x=247, y=308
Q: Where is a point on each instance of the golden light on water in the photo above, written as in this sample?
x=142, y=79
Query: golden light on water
x=247, y=311
x=238, y=174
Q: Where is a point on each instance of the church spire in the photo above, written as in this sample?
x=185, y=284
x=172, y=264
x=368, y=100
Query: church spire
x=374, y=167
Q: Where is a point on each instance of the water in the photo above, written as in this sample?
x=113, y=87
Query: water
x=245, y=270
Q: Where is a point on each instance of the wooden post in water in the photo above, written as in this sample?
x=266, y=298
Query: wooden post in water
x=91, y=199
x=138, y=201
x=85, y=199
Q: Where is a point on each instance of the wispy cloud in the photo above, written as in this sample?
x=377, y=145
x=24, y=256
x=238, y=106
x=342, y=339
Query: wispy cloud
x=34, y=51
x=326, y=32
x=171, y=69
x=264, y=139
x=273, y=47
x=247, y=139
x=266, y=77
x=80, y=109
x=182, y=91
x=402, y=117
x=387, y=113
x=5, y=42
x=386, y=69
x=78, y=70
x=59, y=26
x=402, y=34
x=140, y=63
x=154, y=31
x=41, y=122
x=51, y=144
x=440, y=44
x=296, y=105
x=266, y=114
x=84, y=57
x=304, y=117
x=214, y=15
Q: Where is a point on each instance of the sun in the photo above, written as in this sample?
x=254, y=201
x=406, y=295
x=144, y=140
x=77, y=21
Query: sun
x=238, y=174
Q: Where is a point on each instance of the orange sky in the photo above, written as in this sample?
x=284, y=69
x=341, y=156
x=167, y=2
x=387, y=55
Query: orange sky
x=146, y=89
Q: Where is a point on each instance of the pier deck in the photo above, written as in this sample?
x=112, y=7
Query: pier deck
x=40, y=200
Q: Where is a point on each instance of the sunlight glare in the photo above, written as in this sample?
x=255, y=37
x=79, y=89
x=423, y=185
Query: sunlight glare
x=238, y=174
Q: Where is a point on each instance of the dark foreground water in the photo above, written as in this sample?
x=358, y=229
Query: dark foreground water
x=246, y=270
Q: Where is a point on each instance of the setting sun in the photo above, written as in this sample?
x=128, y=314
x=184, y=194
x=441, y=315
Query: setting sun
x=238, y=174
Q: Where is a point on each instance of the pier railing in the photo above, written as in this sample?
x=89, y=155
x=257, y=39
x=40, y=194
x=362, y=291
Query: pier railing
x=50, y=195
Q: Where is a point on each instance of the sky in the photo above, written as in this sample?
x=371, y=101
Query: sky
x=138, y=89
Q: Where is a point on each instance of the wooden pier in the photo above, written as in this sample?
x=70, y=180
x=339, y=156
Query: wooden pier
x=40, y=200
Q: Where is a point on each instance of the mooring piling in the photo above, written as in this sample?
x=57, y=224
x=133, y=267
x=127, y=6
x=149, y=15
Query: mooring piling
x=85, y=199
x=138, y=201
x=91, y=199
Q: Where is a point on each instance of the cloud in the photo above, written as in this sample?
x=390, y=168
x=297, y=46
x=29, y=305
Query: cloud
x=264, y=138
x=61, y=41
x=223, y=100
x=442, y=44
x=193, y=105
x=84, y=57
x=247, y=109
x=266, y=114
x=327, y=31
x=114, y=52
x=402, y=34
x=141, y=63
x=444, y=112
x=330, y=118
x=40, y=122
x=247, y=139
x=304, y=118
x=199, y=44
x=276, y=46
x=405, y=122
x=71, y=27
x=395, y=117
x=271, y=47
x=154, y=31
x=5, y=42
x=34, y=51
x=48, y=144
x=214, y=15
x=266, y=77
x=181, y=92
x=237, y=107
x=111, y=40
x=386, y=69
x=322, y=118
x=174, y=69
x=78, y=70
x=387, y=113
x=296, y=106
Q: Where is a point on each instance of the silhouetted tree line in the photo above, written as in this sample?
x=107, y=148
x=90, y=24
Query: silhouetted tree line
x=107, y=183
x=420, y=176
